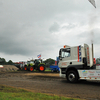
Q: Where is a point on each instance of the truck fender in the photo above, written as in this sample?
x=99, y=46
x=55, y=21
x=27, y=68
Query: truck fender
x=41, y=63
x=72, y=68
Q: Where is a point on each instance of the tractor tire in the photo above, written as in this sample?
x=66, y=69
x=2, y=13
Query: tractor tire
x=31, y=69
x=72, y=76
x=41, y=68
x=25, y=68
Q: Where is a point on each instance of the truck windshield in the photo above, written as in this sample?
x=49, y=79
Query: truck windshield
x=65, y=52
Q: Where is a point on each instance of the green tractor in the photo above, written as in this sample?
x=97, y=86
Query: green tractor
x=36, y=64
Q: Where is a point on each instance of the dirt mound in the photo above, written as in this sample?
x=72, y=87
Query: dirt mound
x=8, y=68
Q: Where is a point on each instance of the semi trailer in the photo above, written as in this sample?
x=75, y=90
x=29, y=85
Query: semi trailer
x=77, y=63
x=54, y=68
x=20, y=65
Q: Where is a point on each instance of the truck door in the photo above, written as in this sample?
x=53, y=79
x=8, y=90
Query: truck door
x=65, y=57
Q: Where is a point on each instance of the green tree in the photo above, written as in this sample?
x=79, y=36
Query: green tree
x=2, y=61
x=10, y=62
x=49, y=62
x=98, y=61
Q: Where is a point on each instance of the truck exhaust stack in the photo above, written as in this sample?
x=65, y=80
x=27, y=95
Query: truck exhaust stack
x=92, y=54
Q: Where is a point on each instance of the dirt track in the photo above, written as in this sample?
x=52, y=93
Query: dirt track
x=51, y=83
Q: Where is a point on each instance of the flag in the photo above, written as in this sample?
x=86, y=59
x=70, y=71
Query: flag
x=92, y=2
x=39, y=56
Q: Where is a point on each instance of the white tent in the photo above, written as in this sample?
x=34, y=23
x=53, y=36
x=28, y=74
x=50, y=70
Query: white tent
x=1, y=66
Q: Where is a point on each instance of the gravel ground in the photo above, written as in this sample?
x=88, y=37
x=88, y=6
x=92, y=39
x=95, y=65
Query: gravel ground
x=51, y=83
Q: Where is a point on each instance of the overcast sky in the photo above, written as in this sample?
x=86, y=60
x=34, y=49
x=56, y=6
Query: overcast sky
x=32, y=27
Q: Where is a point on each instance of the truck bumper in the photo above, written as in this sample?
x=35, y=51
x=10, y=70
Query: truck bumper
x=62, y=75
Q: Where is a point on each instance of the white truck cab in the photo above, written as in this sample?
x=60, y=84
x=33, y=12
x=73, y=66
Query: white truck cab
x=78, y=63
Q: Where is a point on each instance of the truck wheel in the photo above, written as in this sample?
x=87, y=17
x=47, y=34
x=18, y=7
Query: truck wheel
x=72, y=76
x=31, y=68
x=41, y=68
x=25, y=68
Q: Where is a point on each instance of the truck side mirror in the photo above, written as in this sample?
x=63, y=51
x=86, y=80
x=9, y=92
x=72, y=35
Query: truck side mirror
x=60, y=54
x=60, y=57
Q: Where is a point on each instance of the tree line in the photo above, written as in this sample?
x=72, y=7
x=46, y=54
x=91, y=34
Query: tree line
x=98, y=61
x=4, y=62
x=49, y=62
x=10, y=62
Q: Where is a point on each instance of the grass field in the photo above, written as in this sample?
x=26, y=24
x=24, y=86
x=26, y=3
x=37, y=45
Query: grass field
x=9, y=93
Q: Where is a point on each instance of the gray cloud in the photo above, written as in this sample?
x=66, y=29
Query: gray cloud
x=28, y=28
x=87, y=36
x=69, y=26
x=55, y=27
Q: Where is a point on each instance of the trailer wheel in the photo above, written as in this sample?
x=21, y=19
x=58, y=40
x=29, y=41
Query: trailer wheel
x=41, y=68
x=57, y=71
x=31, y=68
x=25, y=68
x=72, y=76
